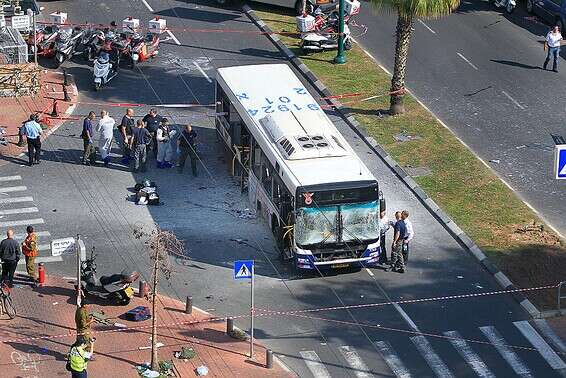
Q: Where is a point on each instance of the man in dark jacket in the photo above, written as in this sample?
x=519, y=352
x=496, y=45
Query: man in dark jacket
x=89, y=156
x=10, y=255
x=152, y=120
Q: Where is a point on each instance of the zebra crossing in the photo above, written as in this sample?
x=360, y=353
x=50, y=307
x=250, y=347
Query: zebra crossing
x=512, y=358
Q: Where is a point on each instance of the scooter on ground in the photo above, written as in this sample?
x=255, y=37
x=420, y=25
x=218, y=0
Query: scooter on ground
x=116, y=288
x=140, y=48
x=508, y=5
x=66, y=44
x=104, y=69
x=45, y=37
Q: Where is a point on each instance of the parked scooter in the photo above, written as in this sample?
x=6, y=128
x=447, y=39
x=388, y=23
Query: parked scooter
x=104, y=69
x=66, y=44
x=508, y=5
x=141, y=49
x=115, y=288
x=45, y=37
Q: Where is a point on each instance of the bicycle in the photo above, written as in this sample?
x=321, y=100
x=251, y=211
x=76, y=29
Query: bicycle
x=6, y=303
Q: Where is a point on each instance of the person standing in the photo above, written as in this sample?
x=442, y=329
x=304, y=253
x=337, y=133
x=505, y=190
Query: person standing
x=138, y=144
x=409, y=237
x=83, y=321
x=397, y=263
x=163, y=145
x=152, y=120
x=29, y=249
x=188, y=148
x=10, y=255
x=552, y=47
x=89, y=156
x=79, y=357
x=32, y=130
x=384, y=225
x=106, y=129
x=126, y=127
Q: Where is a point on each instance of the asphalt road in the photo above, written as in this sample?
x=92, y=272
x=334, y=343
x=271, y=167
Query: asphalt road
x=480, y=71
x=205, y=212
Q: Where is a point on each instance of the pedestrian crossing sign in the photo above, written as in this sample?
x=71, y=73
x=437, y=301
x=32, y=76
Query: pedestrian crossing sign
x=560, y=162
x=243, y=269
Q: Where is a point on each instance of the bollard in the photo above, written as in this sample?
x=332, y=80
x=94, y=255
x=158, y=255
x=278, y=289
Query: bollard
x=54, y=112
x=268, y=358
x=65, y=82
x=229, y=326
x=66, y=94
x=143, y=289
x=189, y=305
x=41, y=271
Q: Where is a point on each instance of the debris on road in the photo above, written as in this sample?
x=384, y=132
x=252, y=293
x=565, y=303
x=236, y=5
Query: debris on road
x=202, y=371
x=186, y=353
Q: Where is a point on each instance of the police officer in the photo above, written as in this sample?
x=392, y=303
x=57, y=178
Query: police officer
x=152, y=120
x=79, y=357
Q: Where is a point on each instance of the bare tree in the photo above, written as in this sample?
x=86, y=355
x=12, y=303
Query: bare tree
x=160, y=244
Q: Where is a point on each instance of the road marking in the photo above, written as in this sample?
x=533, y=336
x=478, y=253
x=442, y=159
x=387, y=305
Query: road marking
x=24, y=222
x=13, y=189
x=39, y=233
x=202, y=72
x=538, y=342
x=10, y=178
x=506, y=352
x=369, y=272
x=16, y=199
x=355, y=361
x=392, y=360
x=147, y=6
x=467, y=61
x=173, y=37
x=43, y=259
x=513, y=100
x=471, y=357
x=315, y=365
x=406, y=317
x=426, y=26
x=543, y=327
x=436, y=364
x=23, y=210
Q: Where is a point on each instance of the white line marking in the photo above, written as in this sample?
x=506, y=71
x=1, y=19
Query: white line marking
x=43, y=259
x=13, y=189
x=39, y=234
x=436, y=364
x=22, y=210
x=353, y=359
x=392, y=360
x=314, y=364
x=202, y=72
x=538, y=342
x=506, y=352
x=16, y=199
x=543, y=327
x=427, y=27
x=10, y=178
x=173, y=37
x=467, y=353
x=369, y=272
x=406, y=317
x=147, y=6
x=513, y=100
x=24, y=222
x=467, y=61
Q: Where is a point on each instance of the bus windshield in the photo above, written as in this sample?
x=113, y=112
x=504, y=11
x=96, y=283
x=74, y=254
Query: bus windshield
x=316, y=225
x=360, y=221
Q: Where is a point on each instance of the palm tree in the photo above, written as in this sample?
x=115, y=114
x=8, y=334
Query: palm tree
x=407, y=12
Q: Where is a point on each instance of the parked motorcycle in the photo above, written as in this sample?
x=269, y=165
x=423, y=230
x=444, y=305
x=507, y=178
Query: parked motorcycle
x=508, y=5
x=66, y=44
x=45, y=37
x=115, y=288
x=93, y=43
x=142, y=48
x=104, y=69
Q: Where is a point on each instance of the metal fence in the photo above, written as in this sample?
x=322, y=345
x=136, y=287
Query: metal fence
x=13, y=48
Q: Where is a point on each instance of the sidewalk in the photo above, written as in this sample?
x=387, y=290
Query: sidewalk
x=48, y=314
x=16, y=110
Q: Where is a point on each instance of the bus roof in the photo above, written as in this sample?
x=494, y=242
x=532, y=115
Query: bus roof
x=290, y=126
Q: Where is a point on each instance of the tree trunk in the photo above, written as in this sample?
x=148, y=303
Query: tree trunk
x=154, y=360
x=404, y=30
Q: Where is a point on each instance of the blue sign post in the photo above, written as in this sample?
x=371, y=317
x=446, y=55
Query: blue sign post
x=244, y=269
x=560, y=162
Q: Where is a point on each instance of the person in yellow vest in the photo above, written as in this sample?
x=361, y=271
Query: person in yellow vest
x=78, y=358
x=29, y=249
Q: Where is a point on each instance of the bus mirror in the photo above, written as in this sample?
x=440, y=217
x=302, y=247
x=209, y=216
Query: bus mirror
x=382, y=205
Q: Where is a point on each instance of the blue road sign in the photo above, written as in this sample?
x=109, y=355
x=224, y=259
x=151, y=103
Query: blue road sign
x=560, y=162
x=243, y=269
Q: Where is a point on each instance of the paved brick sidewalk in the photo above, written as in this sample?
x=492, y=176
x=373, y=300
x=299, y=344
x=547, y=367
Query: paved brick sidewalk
x=48, y=314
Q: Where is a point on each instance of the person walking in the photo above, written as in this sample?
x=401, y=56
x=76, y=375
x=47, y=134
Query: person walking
x=106, y=129
x=408, y=237
x=89, y=156
x=152, y=120
x=32, y=130
x=188, y=148
x=29, y=249
x=78, y=358
x=10, y=255
x=552, y=47
x=126, y=127
x=397, y=262
x=138, y=144
x=83, y=321
x=163, y=145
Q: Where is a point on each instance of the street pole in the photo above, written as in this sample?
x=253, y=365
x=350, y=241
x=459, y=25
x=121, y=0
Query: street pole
x=78, y=251
x=252, y=311
x=340, y=57
x=34, y=39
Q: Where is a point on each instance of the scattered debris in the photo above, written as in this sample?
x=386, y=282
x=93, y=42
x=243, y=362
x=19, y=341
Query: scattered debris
x=202, y=371
x=496, y=161
x=521, y=146
x=144, y=370
x=55, y=303
x=531, y=227
x=404, y=137
x=120, y=325
x=54, y=210
x=418, y=171
x=186, y=353
x=238, y=334
x=158, y=345
x=166, y=368
x=246, y=214
x=477, y=285
x=459, y=277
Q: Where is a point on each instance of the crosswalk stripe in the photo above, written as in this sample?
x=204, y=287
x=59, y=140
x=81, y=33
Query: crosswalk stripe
x=506, y=352
x=543, y=327
x=314, y=364
x=22, y=210
x=40, y=234
x=10, y=189
x=16, y=199
x=355, y=361
x=432, y=359
x=43, y=259
x=538, y=342
x=24, y=222
x=468, y=354
x=10, y=178
x=392, y=360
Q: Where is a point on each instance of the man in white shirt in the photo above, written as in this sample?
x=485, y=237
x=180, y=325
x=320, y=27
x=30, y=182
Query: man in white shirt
x=106, y=129
x=410, y=234
x=552, y=46
x=384, y=225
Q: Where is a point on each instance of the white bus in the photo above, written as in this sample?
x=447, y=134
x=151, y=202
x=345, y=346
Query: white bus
x=321, y=201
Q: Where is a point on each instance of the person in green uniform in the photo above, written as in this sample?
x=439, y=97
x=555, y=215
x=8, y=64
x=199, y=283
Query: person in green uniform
x=79, y=357
x=83, y=320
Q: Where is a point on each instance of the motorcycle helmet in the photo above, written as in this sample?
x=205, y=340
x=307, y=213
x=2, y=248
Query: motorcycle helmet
x=103, y=58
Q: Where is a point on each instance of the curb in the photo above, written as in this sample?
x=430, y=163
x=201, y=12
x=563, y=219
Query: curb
x=452, y=228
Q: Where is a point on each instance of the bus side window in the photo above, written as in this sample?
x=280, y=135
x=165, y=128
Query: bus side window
x=256, y=156
x=267, y=174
